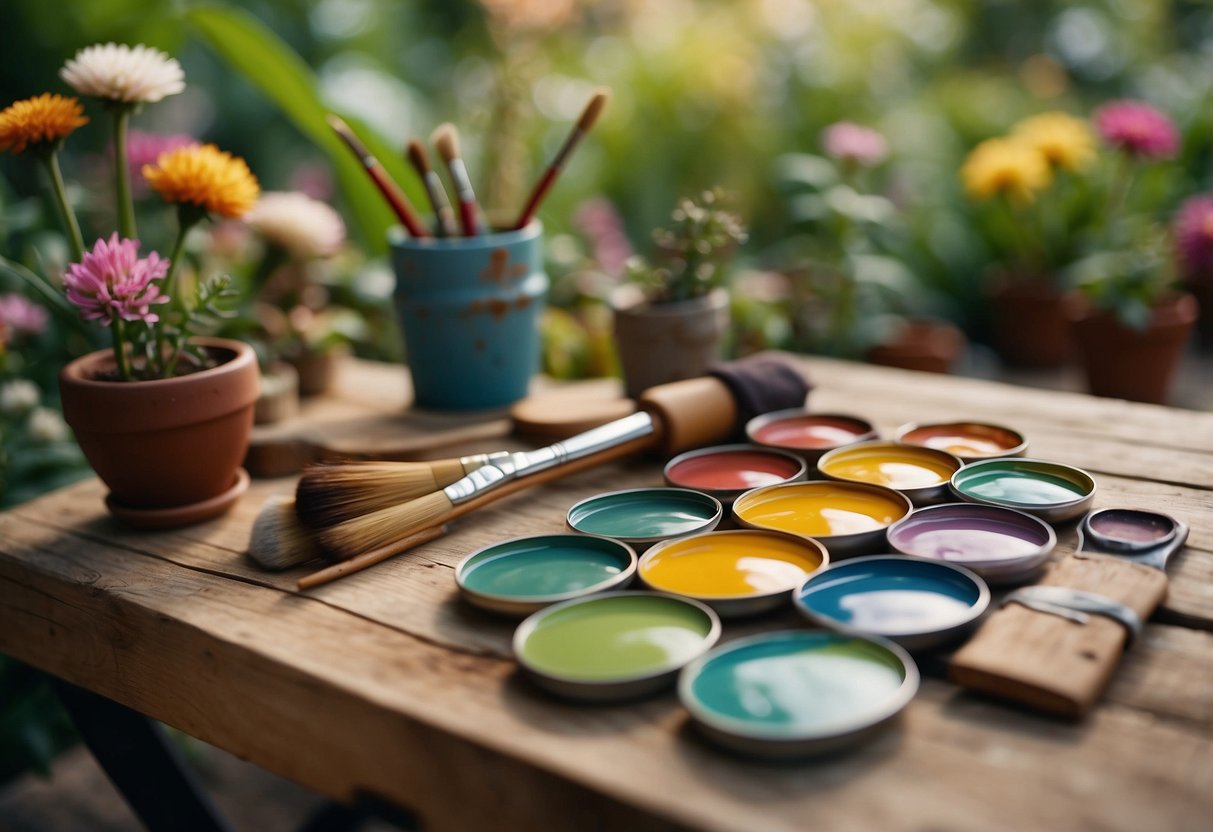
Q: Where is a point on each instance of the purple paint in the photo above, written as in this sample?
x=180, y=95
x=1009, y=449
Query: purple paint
x=1133, y=526
x=971, y=533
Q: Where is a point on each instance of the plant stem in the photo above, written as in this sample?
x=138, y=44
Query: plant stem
x=119, y=335
x=74, y=238
x=187, y=217
x=122, y=184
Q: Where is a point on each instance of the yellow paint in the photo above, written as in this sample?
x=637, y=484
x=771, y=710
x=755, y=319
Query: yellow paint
x=894, y=466
x=730, y=564
x=820, y=509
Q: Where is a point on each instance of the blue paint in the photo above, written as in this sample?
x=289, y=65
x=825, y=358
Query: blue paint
x=799, y=682
x=470, y=308
x=544, y=566
x=891, y=596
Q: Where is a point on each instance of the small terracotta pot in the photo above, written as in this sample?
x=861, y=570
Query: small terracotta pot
x=927, y=346
x=170, y=449
x=665, y=342
x=1126, y=363
x=1031, y=322
x=318, y=370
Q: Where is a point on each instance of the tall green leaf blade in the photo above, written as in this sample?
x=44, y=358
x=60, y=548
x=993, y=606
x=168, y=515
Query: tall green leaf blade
x=258, y=54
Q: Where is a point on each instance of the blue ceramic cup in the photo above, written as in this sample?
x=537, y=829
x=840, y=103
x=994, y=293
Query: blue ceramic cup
x=470, y=309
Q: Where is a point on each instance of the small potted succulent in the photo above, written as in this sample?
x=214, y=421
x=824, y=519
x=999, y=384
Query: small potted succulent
x=672, y=316
x=163, y=415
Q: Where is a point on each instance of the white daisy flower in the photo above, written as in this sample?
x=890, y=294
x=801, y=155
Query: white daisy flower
x=18, y=396
x=46, y=426
x=117, y=72
x=305, y=227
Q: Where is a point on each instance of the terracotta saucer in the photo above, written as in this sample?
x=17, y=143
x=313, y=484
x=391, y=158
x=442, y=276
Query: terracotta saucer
x=177, y=516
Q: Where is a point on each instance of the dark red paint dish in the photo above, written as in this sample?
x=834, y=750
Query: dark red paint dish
x=808, y=434
x=726, y=471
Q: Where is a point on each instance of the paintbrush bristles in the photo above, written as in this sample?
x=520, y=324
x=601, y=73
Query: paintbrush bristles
x=278, y=541
x=445, y=140
x=380, y=528
x=593, y=109
x=330, y=494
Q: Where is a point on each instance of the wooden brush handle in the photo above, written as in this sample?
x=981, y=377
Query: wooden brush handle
x=360, y=562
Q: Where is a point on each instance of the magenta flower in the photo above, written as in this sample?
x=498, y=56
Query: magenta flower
x=598, y=219
x=112, y=283
x=1193, y=229
x=145, y=148
x=1138, y=129
x=854, y=143
x=21, y=315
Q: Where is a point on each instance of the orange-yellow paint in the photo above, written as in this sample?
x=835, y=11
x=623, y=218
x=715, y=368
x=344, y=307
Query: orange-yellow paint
x=889, y=465
x=820, y=509
x=730, y=564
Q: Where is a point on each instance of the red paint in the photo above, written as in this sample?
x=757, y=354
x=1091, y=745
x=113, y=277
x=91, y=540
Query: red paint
x=812, y=432
x=730, y=470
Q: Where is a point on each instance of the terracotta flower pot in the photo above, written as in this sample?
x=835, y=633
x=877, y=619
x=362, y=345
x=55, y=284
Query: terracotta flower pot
x=664, y=342
x=927, y=346
x=1126, y=363
x=1031, y=322
x=169, y=450
x=318, y=370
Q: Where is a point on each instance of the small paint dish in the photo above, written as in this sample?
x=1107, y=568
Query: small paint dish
x=921, y=604
x=641, y=517
x=809, y=435
x=728, y=471
x=737, y=572
x=520, y=576
x=967, y=441
x=1002, y=545
x=797, y=693
x=618, y=645
x=922, y=474
x=1049, y=490
x=849, y=518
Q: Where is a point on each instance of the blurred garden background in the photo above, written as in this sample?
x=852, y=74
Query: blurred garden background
x=735, y=94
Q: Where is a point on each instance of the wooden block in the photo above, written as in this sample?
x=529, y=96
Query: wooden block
x=1049, y=662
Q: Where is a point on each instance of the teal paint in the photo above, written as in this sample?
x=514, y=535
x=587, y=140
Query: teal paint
x=544, y=566
x=645, y=513
x=1019, y=483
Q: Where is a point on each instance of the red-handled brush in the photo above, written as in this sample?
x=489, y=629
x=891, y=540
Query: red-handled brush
x=445, y=226
x=395, y=198
x=445, y=139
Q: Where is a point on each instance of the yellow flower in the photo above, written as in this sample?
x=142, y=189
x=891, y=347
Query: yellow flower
x=1005, y=166
x=44, y=119
x=1066, y=142
x=205, y=176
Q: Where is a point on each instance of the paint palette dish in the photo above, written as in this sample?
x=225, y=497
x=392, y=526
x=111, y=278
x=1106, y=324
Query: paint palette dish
x=809, y=435
x=728, y=471
x=922, y=474
x=1002, y=545
x=919, y=603
x=849, y=518
x=737, y=572
x=641, y=517
x=519, y=576
x=967, y=441
x=614, y=646
x=1049, y=490
x=797, y=693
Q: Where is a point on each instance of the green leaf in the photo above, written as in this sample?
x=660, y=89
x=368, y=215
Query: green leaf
x=253, y=50
x=52, y=296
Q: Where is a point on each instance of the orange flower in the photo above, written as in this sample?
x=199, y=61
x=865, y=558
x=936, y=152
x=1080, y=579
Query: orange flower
x=45, y=119
x=205, y=176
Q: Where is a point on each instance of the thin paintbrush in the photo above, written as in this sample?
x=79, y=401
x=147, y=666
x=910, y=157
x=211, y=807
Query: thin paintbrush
x=588, y=116
x=445, y=139
x=394, y=196
x=444, y=216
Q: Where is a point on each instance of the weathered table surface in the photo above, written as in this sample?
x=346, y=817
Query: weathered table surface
x=386, y=683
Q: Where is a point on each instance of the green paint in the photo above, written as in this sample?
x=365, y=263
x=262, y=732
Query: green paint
x=539, y=567
x=644, y=513
x=800, y=681
x=1015, y=482
x=616, y=637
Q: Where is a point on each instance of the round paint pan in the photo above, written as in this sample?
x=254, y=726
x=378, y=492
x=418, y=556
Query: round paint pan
x=517, y=577
x=808, y=435
x=1049, y=490
x=849, y=518
x=921, y=604
x=922, y=474
x=618, y=645
x=728, y=471
x=967, y=441
x=1002, y=545
x=1126, y=530
x=644, y=516
x=797, y=693
x=737, y=572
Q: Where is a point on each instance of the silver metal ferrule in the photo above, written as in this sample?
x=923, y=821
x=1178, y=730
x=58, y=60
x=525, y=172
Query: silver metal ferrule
x=478, y=460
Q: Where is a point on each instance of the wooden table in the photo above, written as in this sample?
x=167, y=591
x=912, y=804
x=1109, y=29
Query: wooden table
x=385, y=684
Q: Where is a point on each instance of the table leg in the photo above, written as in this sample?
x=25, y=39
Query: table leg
x=138, y=759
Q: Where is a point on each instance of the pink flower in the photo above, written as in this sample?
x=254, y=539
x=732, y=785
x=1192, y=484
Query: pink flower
x=1194, y=236
x=854, y=143
x=598, y=219
x=111, y=282
x=21, y=315
x=1138, y=129
x=144, y=149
